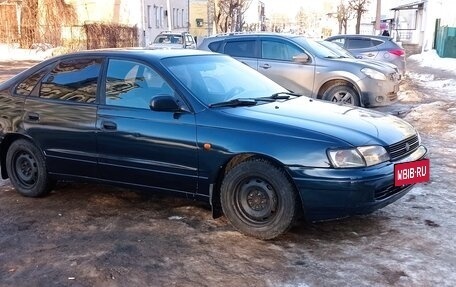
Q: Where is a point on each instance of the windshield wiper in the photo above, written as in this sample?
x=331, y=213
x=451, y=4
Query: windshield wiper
x=283, y=95
x=235, y=103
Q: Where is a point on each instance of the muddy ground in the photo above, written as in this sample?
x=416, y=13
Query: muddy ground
x=90, y=235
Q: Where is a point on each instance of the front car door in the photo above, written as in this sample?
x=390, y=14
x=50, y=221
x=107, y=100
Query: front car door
x=138, y=146
x=277, y=63
x=60, y=115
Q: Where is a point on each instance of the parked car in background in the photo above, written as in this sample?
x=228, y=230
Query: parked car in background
x=381, y=48
x=344, y=53
x=204, y=126
x=303, y=66
x=173, y=40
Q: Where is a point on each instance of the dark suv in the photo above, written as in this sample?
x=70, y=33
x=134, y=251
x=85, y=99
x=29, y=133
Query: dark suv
x=304, y=66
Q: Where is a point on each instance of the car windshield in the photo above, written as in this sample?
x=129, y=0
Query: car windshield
x=315, y=48
x=218, y=78
x=168, y=39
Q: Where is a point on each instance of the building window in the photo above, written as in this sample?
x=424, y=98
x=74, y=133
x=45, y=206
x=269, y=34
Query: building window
x=182, y=18
x=161, y=17
x=149, y=10
x=157, y=17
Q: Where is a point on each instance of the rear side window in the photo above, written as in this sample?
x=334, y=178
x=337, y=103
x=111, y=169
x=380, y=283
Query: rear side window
x=339, y=41
x=73, y=80
x=240, y=48
x=27, y=85
x=359, y=43
x=376, y=42
x=215, y=46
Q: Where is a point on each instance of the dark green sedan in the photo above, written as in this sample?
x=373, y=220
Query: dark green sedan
x=204, y=126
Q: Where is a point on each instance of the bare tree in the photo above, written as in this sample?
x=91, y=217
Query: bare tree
x=344, y=14
x=230, y=14
x=304, y=19
x=359, y=8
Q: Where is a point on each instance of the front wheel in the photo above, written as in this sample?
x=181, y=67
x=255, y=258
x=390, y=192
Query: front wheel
x=259, y=199
x=27, y=170
x=341, y=93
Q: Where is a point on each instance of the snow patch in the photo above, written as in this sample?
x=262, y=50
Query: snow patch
x=432, y=60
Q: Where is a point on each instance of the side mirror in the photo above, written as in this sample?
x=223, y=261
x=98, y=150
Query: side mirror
x=301, y=58
x=164, y=103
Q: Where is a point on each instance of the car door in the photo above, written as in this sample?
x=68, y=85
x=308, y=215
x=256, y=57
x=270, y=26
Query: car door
x=60, y=115
x=363, y=47
x=277, y=63
x=243, y=50
x=138, y=146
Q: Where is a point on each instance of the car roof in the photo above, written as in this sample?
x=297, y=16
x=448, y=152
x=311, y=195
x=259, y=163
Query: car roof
x=250, y=34
x=384, y=38
x=138, y=53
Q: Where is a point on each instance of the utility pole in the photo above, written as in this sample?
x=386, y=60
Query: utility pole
x=378, y=16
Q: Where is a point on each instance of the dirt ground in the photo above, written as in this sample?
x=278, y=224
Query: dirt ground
x=90, y=235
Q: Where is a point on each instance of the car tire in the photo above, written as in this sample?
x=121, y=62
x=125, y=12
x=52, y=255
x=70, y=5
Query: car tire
x=258, y=199
x=26, y=169
x=341, y=93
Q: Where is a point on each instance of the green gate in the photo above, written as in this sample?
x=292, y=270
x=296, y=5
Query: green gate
x=445, y=42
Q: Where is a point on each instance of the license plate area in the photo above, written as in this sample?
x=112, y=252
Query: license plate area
x=412, y=172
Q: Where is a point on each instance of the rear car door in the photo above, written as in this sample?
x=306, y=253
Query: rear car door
x=277, y=63
x=139, y=146
x=60, y=115
x=243, y=50
x=365, y=47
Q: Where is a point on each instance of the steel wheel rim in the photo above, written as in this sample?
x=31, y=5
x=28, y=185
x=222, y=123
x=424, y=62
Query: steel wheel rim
x=25, y=167
x=256, y=201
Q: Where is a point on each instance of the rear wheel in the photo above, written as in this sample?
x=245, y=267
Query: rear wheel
x=258, y=199
x=341, y=93
x=27, y=170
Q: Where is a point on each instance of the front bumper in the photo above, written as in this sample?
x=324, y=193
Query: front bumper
x=328, y=193
x=375, y=93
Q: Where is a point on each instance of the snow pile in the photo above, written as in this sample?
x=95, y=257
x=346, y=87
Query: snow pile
x=13, y=53
x=431, y=59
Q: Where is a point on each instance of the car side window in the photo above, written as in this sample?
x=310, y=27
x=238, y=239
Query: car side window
x=132, y=84
x=278, y=51
x=240, y=48
x=359, y=43
x=376, y=42
x=26, y=86
x=215, y=46
x=339, y=41
x=73, y=80
x=190, y=40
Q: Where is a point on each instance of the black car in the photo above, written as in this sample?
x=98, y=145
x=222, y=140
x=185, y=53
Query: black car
x=205, y=126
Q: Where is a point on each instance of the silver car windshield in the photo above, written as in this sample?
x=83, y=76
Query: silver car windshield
x=219, y=78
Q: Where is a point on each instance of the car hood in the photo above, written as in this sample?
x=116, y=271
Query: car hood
x=373, y=64
x=353, y=125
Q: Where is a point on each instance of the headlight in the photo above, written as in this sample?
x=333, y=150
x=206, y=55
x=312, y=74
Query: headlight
x=374, y=74
x=358, y=157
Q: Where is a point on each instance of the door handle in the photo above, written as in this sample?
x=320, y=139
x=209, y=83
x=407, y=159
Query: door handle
x=33, y=116
x=370, y=55
x=109, y=126
x=265, y=66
